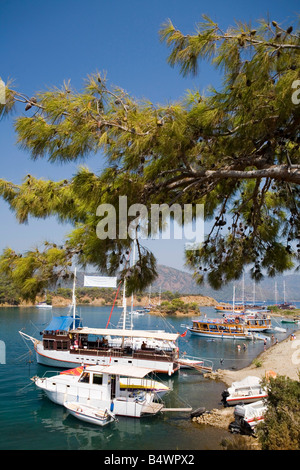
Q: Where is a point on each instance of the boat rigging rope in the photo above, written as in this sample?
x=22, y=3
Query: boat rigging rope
x=113, y=304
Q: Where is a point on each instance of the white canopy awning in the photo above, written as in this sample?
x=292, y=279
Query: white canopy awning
x=127, y=333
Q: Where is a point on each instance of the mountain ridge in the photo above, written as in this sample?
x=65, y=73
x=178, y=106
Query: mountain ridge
x=175, y=280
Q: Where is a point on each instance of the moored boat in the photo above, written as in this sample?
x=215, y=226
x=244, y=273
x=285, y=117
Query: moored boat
x=253, y=321
x=230, y=308
x=67, y=348
x=100, y=387
x=90, y=414
x=290, y=320
x=247, y=417
x=216, y=328
x=66, y=344
x=247, y=390
x=43, y=305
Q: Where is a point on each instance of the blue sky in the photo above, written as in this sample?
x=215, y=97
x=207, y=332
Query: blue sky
x=44, y=43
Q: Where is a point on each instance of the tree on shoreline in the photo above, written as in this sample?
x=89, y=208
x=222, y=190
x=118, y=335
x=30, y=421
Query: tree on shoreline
x=237, y=151
x=281, y=427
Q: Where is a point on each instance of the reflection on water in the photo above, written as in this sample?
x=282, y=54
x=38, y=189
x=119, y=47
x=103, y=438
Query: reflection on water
x=30, y=421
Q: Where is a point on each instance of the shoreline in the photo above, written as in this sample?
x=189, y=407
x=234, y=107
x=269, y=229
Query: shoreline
x=282, y=358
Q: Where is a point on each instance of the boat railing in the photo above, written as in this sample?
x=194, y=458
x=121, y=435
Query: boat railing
x=119, y=352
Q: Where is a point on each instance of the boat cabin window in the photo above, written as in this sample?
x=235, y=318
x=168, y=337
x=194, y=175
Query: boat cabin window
x=97, y=379
x=85, y=378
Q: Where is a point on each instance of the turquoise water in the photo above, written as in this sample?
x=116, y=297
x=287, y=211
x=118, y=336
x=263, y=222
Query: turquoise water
x=29, y=421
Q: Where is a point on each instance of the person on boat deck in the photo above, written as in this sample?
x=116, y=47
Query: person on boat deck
x=143, y=345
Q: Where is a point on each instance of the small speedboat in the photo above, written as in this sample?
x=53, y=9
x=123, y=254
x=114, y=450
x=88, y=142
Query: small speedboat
x=290, y=320
x=247, y=390
x=248, y=416
x=90, y=414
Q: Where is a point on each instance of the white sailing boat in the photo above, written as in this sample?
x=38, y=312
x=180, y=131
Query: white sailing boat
x=43, y=304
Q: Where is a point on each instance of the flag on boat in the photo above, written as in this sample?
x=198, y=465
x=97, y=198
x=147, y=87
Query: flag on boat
x=100, y=281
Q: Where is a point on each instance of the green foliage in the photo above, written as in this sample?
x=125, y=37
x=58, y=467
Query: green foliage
x=257, y=362
x=281, y=427
x=236, y=150
x=178, y=305
x=8, y=293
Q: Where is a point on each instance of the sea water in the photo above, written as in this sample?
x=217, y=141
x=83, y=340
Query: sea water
x=30, y=421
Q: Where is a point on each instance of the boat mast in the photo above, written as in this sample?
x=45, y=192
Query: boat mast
x=124, y=305
x=233, y=299
x=133, y=263
x=284, y=300
x=74, y=298
x=243, y=291
x=276, y=299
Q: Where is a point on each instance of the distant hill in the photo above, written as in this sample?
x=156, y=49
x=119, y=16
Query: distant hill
x=174, y=280
x=183, y=282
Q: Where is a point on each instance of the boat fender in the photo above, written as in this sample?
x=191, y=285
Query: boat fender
x=112, y=407
x=198, y=412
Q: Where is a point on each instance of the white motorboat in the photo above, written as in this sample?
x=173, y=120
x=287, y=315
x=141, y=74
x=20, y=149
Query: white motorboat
x=90, y=414
x=43, y=305
x=247, y=390
x=100, y=387
x=137, y=312
x=248, y=416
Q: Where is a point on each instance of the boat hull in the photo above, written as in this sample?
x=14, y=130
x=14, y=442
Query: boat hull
x=66, y=359
x=205, y=334
x=248, y=390
x=233, y=401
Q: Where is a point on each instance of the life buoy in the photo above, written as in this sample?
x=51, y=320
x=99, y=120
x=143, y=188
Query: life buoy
x=237, y=321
